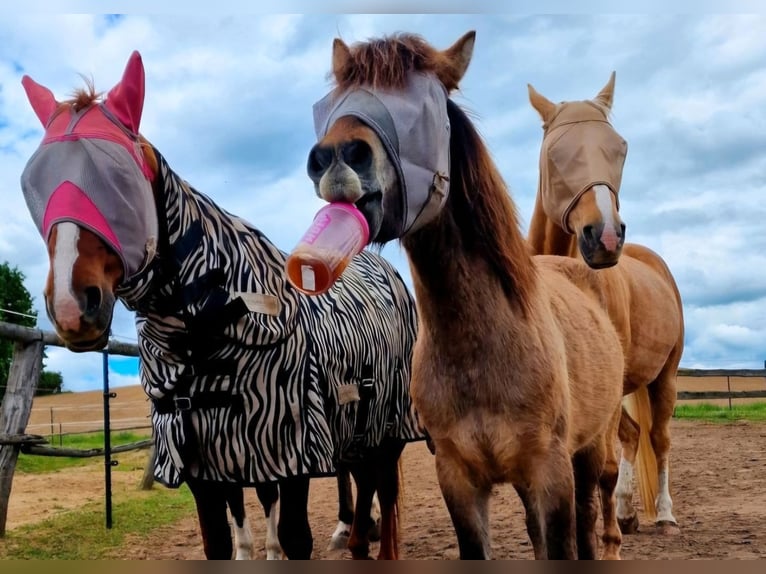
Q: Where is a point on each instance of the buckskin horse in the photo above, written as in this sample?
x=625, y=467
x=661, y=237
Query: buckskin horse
x=516, y=369
x=576, y=214
x=252, y=383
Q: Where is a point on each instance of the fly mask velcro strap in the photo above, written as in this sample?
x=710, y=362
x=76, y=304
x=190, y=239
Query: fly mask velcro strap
x=414, y=128
x=580, y=150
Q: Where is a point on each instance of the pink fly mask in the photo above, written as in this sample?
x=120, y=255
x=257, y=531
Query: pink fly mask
x=89, y=169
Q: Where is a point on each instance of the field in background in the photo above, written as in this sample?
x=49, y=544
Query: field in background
x=83, y=412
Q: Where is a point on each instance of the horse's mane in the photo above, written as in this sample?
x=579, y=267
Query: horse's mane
x=385, y=62
x=81, y=98
x=483, y=209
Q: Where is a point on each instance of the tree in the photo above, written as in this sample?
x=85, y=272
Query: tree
x=50, y=383
x=16, y=307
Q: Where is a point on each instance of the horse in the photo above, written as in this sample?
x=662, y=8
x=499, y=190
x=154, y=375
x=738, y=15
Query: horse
x=251, y=382
x=515, y=363
x=576, y=214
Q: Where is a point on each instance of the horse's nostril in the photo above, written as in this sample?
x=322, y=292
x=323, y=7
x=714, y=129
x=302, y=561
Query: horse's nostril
x=589, y=232
x=320, y=158
x=92, y=301
x=622, y=231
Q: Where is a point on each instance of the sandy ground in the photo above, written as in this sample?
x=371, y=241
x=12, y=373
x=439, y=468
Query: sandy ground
x=718, y=483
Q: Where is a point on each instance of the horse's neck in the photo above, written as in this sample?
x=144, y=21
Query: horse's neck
x=459, y=295
x=546, y=237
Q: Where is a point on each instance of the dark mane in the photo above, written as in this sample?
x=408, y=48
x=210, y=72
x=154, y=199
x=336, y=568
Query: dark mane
x=483, y=210
x=385, y=62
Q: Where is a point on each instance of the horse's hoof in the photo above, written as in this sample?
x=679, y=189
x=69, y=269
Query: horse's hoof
x=339, y=542
x=628, y=525
x=667, y=528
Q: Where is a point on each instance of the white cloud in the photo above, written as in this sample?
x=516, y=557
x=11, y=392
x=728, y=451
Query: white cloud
x=229, y=100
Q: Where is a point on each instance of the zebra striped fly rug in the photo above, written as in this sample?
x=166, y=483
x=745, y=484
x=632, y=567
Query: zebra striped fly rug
x=273, y=383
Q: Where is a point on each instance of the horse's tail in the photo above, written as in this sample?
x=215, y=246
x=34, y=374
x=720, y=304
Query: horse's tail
x=640, y=409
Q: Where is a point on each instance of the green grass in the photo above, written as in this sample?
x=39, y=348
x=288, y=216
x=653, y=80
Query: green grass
x=82, y=534
x=708, y=412
x=40, y=464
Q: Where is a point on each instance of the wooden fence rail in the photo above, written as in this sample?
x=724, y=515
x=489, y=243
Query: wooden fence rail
x=17, y=403
x=728, y=394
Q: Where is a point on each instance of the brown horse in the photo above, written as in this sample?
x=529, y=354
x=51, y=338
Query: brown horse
x=576, y=214
x=515, y=367
x=116, y=220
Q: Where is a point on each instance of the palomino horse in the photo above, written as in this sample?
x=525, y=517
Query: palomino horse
x=252, y=383
x=515, y=368
x=576, y=214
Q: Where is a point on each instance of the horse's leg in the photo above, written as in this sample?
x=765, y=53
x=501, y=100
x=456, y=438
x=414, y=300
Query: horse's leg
x=293, y=530
x=551, y=490
x=359, y=539
x=588, y=464
x=210, y=498
x=627, y=517
x=268, y=494
x=375, y=519
x=533, y=523
x=388, y=496
x=243, y=536
x=612, y=538
x=662, y=396
x=339, y=539
x=467, y=502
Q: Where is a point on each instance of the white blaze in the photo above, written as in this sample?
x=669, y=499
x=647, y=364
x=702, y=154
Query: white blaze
x=604, y=205
x=65, y=305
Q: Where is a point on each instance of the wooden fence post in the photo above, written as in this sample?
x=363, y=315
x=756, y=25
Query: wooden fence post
x=14, y=414
x=147, y=480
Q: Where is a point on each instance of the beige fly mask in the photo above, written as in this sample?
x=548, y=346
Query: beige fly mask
x=580, y=149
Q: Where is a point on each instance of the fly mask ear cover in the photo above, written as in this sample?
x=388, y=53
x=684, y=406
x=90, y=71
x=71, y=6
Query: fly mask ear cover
x=94, y=180
x=580, y=149
x=414, y=127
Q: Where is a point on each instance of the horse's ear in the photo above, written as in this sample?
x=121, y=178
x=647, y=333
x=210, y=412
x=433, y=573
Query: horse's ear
x=459, y=56
x=341, y=54
x=606, y=95
x=126, y=99
x=543, y=105
x=43, y=102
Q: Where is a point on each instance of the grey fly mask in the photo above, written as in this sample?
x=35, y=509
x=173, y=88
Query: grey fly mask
x=413, y=126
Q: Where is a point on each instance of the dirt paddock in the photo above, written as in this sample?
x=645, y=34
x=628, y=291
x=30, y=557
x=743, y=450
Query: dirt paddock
x=718, y=481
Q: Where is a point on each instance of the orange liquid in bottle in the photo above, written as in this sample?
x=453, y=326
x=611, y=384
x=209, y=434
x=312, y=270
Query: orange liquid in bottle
x=337, y=234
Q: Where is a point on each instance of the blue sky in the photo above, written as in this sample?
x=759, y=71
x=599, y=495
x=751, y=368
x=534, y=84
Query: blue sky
x=228, y=102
